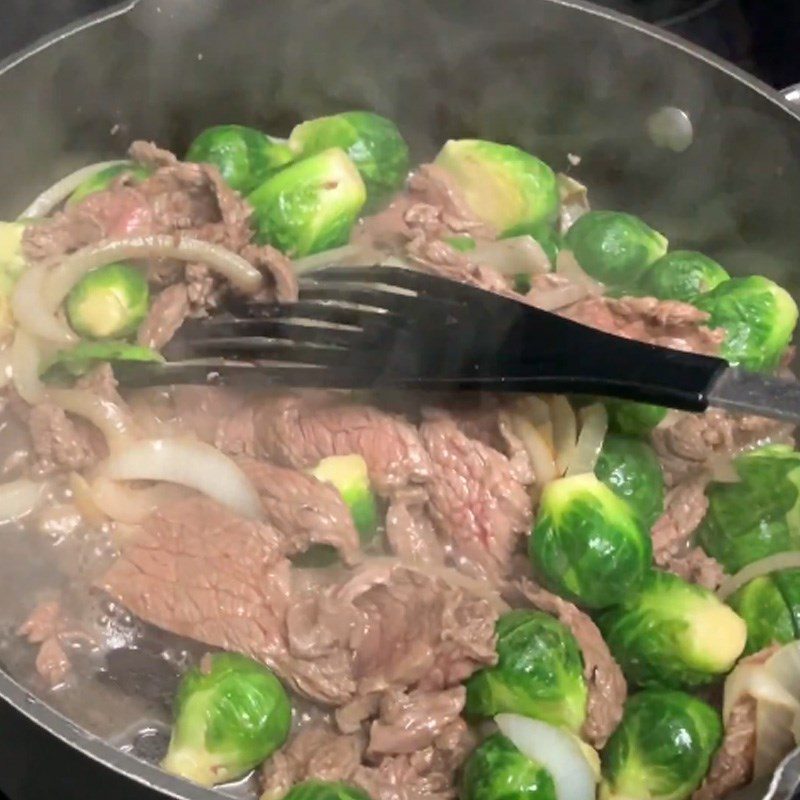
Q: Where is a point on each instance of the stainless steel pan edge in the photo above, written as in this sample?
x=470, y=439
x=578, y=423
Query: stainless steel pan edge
x=43, y=753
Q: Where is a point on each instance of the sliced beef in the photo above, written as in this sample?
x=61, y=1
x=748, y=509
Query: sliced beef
x=732, y=765
x=475, y=501
x=668, y=323
x=684, y=508
x=281, y=283
x=197, y=570
x=296, y=432
x=43, y=627
x=167, y=313
x=409, y=722
x=303, y=510
x=410, y=530
x=61, y=441
x=386, y=626
x=606, y=684
x=320, y=753
x=694, y=443
x=100, y=381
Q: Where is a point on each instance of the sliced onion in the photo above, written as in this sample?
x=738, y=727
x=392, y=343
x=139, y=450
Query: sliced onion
x=773, y=563
x=189, y=463
x=6, y=367
x=19, y=498
x=594, y=424
x=32, y=311
x=560, y=753
x=721, y=468
x=61, y=190
x=574, y=198
x=556, y=297
x=241, y=273
x=113, y=421
x=518, y=254
x=540, y=454
x=569, y=268
x=355, y=255
x=565, y=431
x=122, y=503
x=25, y=361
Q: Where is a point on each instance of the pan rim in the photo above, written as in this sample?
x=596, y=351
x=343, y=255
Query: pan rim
x=55, y=723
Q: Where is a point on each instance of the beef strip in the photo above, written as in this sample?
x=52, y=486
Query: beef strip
x=296, y=432
x=692, y=443
x=684, y=508
x=410, y=530
x=302, y=509
x=44, y=627
x=61, y=441
x=668, y=323
x=606, y=684
x=476, y=503
x=167, y=313
x=732, y=765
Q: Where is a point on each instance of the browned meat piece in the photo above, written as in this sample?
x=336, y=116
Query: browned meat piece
x=410, y=530
x=303, y=510
x=167, y=312
x=411, y=722
x=475, y=501
x=297, y=433
x=43, y=627
x=100, y=381
x=62, y=442
x=52, y=663
x=693, y=443
x=320, y=753
x=668, y=323
x=685, y=506
x=386, y=626
x=607, y=687
x=277, y=268
x=195, y=569
x=732, y=765
x=42, y=623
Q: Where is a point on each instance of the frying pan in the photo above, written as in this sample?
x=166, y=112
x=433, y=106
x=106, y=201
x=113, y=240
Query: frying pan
x=701, y=150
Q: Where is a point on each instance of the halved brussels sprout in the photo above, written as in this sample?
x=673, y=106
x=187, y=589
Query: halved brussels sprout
x=758, y=316
x=589, y=544
x=105, y=177
x=504, y=186
x=631, y=469
x=373, y=143
x=661, y=749
x=634, y=419
x=109, y=302
x=673, y=634
x=539, y=672
x=310, y=205
x=763, y=608
x=760, y=515
x=246, y=157
x=788, y=583
x=69, y=364
x=230, y=714
x=497, y=770
x=614, y=247
x=325, y=790
x=682, y=275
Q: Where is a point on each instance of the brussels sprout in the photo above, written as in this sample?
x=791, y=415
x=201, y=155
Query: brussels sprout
x=661, y=749
x=310, y=205
x=78, y=360
x=758, y=516
x=230, y=714
x=325, y=790
x=758, y=317
x=682, y=275
x=635, y=419
x=614, y=247
x=762, y=606
x=464, y=244
x=673, y=634
x=588, y=543
x=550, y=241
x=497, y=770
x=630, y=468
x=504, y=186
x=788, y=583
x=105, y=177
x=539, y=673
x=109, y=302
x=245, y=156
x=350, y=477
x=372, y=143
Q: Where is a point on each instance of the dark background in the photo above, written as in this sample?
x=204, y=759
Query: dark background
x=762, y=36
